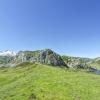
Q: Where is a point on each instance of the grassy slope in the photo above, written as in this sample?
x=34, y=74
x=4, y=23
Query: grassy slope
x=41, y=82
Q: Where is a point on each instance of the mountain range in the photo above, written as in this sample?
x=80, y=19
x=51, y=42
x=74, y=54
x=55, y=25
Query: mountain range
x=45, y=56
x=7, y=53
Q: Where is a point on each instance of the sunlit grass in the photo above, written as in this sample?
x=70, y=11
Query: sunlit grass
x=43, y=82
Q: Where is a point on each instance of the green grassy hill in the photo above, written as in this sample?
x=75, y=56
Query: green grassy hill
x=43, y=82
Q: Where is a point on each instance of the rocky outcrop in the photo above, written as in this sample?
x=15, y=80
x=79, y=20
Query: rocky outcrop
x=76, y=62
x=46, y=56
x=96, y=60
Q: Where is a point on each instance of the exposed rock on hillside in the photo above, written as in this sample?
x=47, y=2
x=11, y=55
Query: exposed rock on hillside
x=76, y=62
x=96, y=60
x=46, y=56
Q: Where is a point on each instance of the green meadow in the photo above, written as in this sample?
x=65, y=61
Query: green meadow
x=43, y=82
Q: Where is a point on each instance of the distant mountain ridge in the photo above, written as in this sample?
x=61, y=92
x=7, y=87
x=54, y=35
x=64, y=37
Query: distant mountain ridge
x=7, y=53
x=46, y=56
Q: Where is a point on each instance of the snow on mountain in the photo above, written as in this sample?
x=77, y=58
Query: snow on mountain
x=7, y=53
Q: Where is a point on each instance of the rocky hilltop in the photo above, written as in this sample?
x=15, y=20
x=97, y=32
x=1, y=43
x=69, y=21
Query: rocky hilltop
x=46, y=56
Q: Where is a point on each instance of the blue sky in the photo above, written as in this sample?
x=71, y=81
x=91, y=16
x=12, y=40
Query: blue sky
x=70, y=27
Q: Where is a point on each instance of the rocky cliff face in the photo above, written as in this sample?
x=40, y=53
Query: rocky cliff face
x=46, y=56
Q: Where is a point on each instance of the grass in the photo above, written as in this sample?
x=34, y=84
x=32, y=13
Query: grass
x=42, y=82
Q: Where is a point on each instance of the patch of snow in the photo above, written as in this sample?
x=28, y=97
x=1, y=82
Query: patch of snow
x=7, y=53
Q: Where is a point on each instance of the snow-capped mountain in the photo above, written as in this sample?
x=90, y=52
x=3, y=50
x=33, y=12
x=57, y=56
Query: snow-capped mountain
x=7, y=53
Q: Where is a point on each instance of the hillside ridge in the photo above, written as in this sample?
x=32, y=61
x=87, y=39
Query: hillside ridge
x=46, y=56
